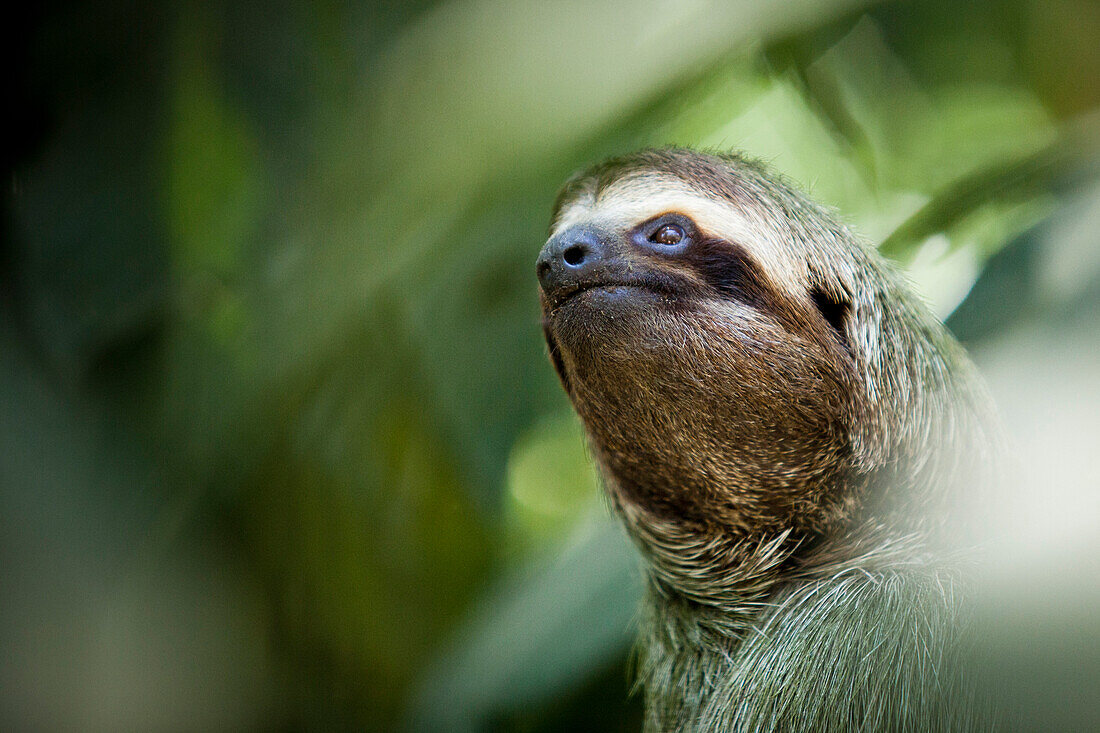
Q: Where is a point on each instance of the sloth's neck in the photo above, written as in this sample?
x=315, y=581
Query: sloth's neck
x=738, y=662
x=684, y=650
x=741, y=631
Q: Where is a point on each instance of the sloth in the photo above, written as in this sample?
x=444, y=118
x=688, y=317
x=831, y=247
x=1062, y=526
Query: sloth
x=788, y=435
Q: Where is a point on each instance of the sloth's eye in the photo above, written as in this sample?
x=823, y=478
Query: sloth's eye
x=669, y=234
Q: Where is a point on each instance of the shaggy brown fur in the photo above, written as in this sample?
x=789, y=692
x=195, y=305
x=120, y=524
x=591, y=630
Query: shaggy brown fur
x=783, y=427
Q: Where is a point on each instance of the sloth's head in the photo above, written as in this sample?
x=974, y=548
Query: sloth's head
x=738, y=358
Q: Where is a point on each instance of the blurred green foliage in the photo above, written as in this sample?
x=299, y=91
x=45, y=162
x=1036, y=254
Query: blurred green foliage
x=279, y=445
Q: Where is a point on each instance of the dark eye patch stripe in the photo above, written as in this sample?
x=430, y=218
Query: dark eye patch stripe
x=729, y=269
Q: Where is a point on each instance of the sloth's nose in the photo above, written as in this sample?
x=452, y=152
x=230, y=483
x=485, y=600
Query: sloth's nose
x=570, y=258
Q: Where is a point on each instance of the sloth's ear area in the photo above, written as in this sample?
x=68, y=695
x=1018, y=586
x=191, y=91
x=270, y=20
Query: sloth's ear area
x=854, y=319
x=835, y=309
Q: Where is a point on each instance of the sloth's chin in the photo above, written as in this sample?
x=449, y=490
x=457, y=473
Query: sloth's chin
x=612, y=321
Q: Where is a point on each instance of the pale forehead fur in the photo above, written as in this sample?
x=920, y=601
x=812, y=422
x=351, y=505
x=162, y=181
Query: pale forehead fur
x=637, y=197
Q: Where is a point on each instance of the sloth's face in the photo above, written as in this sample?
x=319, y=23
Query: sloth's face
x=714, y=386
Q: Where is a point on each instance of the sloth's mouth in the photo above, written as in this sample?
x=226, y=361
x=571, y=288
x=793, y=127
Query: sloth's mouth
x=584, y=288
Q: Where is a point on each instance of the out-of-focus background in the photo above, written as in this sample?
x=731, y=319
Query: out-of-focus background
x=280, y=448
